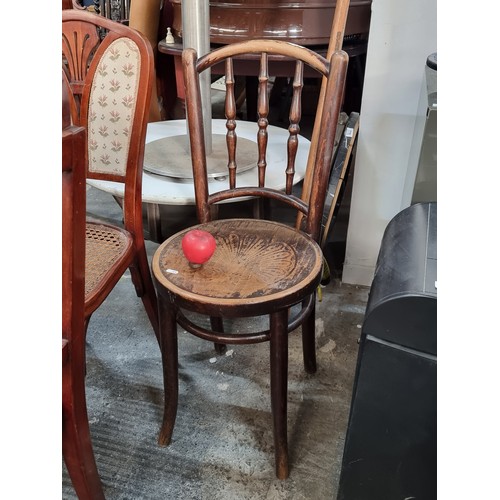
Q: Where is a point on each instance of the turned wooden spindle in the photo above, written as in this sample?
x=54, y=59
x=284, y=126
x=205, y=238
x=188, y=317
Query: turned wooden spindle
x=294, y=128
x=263, y=112
x=230, y=107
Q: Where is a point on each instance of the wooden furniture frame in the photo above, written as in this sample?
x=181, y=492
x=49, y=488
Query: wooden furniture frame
x=76, y=439
x=109, y=69
x=260, y=267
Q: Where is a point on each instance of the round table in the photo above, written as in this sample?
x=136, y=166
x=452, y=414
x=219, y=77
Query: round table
x=163, y=190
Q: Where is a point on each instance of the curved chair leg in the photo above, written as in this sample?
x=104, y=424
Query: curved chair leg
x=169, y=356
x=309, y=340
x=86, y=322
x=141, y=277
x=218, y=326
x=279, y=382
x=76, y=441
x=86, y=325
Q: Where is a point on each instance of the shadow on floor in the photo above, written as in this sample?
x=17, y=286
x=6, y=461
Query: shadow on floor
x=222, y=444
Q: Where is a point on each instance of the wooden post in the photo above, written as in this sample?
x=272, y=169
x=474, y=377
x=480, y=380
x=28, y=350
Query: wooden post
x=196, y=35
x=144, y=17
x=335, y=43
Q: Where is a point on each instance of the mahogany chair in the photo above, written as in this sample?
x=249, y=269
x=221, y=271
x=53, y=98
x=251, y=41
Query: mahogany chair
x=260, y=267
x=109, y=70
x=76, y=439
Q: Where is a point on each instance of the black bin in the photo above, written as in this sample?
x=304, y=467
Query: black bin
x=390, y=449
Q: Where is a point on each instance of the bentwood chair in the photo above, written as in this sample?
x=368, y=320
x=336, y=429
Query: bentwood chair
x=260, y=267
x=76, y=439
x=109, y=69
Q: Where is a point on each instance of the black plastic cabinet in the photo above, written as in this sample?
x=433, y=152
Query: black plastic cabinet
x=390, y=450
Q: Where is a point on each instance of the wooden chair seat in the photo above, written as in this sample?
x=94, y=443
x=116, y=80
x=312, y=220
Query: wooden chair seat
x=256, y=266
x=109, y=251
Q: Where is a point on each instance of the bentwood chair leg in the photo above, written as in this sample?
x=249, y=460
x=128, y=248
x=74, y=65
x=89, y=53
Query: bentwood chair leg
x=218, y=326
x=309, y=340
x=279, y=382
x=86, y=327
x=169, y=356
x=77, y=444
x=139, y=271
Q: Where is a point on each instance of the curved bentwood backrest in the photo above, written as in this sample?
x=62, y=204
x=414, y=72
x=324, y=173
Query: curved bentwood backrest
x=263, y=51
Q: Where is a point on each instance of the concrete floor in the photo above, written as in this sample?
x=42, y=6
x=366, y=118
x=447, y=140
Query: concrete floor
x=222, y=445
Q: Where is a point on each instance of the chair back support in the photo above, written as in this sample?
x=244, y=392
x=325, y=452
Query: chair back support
x=263, y=50
x=76, y=440
x=110, y=68
x=73, y=226
x=259, y=267
x=110, y=120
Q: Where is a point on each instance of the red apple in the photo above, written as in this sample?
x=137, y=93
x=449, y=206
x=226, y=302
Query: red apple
x=198, y=246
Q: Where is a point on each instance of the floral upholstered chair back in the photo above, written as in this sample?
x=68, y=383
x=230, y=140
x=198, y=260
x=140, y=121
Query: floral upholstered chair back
x=109, y=69
x=112, y=104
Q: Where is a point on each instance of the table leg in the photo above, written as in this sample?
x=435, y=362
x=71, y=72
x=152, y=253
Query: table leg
x=252, y=85
x=154, y=222
x=261, y=208
x=180, y=105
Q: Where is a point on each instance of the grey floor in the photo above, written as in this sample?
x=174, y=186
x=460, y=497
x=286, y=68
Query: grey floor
x=222, y=444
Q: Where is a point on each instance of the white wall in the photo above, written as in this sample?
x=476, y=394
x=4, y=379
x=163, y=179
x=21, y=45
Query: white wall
x=402, y=35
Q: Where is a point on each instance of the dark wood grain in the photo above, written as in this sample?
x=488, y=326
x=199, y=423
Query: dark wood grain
x=335, y=44
x=294, y=127
x=263, y=112
x=255, y=263
x=76, y=440
x=259, y=267
x=230, y=107
x=279, y=379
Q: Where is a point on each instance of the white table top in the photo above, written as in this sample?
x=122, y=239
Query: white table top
x=169, y=191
